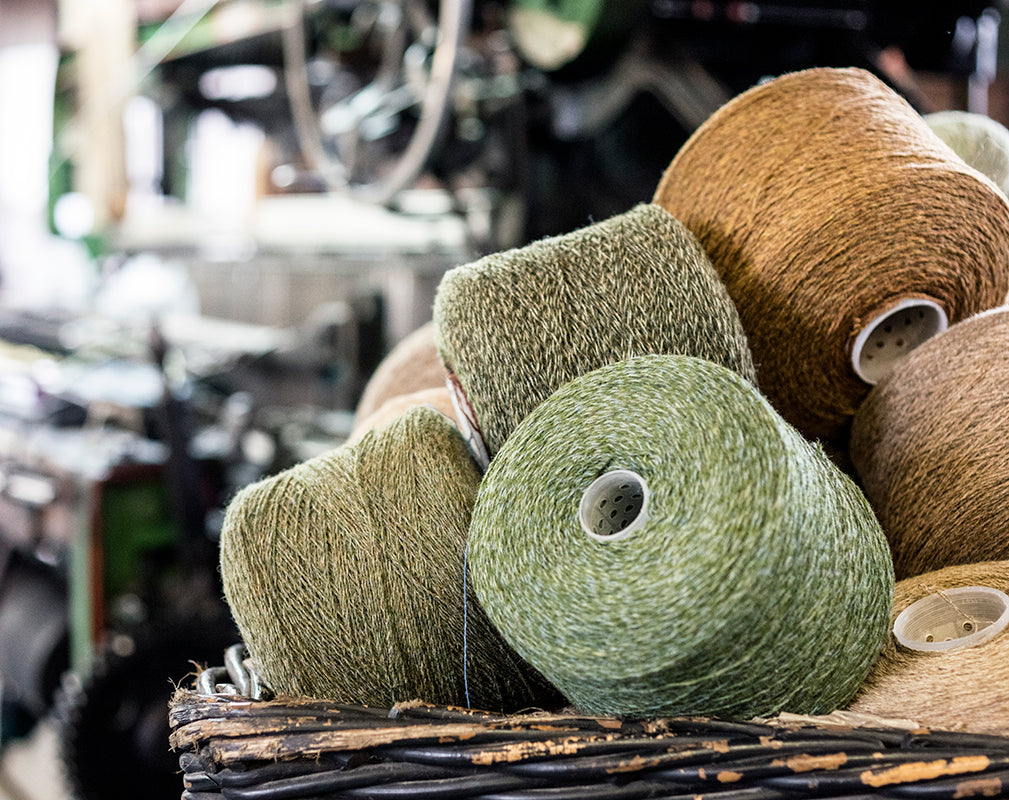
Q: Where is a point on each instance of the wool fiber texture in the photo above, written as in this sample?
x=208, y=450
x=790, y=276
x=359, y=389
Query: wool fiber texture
x=964, y=690
x=411, y=366
x=437, y=397
x=824, y=199
x=517, y=325
x=345, y=575
x=760, y=581
x=929, y=445
x=978, y=139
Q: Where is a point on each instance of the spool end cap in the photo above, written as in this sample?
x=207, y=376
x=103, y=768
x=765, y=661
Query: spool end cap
x=614, y=505
x=893, y=334
x=964, y=616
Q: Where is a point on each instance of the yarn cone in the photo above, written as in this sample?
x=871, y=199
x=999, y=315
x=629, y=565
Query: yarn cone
x=345, y=576
x=656, y=540
x=978, y=139
x=411, y=366
x=951, y=669
x=929, y=448
x=846, y=231
x=437, y=397
x=515, y=326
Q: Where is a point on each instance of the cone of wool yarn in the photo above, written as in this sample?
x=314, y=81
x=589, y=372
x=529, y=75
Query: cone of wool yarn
x=929, y=448
x=437, y=397
x=656, y=540
x=411, y=366
x=846, y=231
x=949, y=668
x=345, y=573
x=978, y=139
x=514, y=326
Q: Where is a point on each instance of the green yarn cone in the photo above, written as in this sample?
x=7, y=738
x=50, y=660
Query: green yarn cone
x=515, y=326
x=744, y=574
x=345, y=575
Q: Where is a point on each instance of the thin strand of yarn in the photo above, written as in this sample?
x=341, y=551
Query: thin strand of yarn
x=964, y=690
x=343, y=575
x=759, y=582
x=465, y=622
x=929, y=448
x=515, y=326
x=823, y=200
x=412, y=365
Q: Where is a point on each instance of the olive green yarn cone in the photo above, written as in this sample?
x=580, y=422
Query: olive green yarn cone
x=515, y=326
x=744, y=575
x=345, y=575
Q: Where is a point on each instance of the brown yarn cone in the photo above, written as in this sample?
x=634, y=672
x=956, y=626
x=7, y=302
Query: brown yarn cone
x=345, y=575
x=929, y=445
x=958, y=690
x=438, y=397
x=823, y=200
x=412, y=365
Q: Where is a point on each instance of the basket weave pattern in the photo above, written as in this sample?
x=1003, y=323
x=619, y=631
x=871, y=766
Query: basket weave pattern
x=232, y=746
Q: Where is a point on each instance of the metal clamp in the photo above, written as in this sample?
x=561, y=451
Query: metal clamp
x=237, y=678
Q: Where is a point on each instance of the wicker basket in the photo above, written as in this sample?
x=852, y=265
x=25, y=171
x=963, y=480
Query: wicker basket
x=234, y=742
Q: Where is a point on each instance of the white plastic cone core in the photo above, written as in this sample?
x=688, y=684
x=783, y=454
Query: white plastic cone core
x=893, y=334
x=614, y=505
x=964, y=616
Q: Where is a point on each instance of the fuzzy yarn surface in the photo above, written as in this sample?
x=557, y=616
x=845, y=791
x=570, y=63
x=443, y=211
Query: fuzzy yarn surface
x=515, y=326
x=345, y=576
x=756, y=581
x=978, y=139
x=438, y=397
x=964, y=689
x=824, y=200
x=412, y=365
x=929, y=448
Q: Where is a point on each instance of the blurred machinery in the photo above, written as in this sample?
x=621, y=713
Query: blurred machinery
x=560, y=110
x=119, y=447
x=398, y=137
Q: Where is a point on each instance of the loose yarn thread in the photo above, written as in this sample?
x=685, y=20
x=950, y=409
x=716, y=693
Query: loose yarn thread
x=514, y=326
x=343, y=574
x=964, y=689
x=824, y=201
x=748, y=577
x=929, y=448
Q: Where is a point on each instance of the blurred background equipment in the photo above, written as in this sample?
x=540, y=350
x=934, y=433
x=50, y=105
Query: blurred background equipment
x=520, y=118
x=217, y=217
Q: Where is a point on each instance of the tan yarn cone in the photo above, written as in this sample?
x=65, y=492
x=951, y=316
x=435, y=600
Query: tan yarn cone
x=958, y=690
x=929, y=445
x=978, y=139
x=438, y=397
x=345, y=575
x=824, y=200
x=411, y=366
